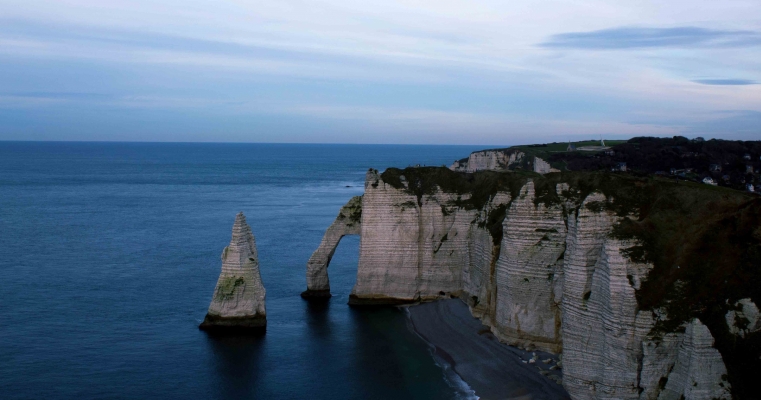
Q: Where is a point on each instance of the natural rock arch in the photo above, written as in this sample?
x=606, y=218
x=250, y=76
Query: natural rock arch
x=348, y=222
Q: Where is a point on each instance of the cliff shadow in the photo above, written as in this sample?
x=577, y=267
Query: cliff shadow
x=403, y=364
x=316, y=314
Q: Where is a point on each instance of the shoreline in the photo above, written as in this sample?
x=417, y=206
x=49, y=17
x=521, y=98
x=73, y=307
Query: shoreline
x=491, y=369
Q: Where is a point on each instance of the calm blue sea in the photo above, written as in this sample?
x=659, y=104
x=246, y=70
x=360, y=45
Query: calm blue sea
x=109, y=253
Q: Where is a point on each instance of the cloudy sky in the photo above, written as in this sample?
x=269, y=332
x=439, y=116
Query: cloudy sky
x=413, y=71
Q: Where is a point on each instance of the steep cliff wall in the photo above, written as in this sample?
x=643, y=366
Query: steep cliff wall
x=484, y=246
x=390, y=224
x=533, y=245
x=618, y=273
x=423, y=237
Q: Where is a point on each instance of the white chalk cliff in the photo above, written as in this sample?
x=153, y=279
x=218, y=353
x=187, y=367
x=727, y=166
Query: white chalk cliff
x=488, y=160
x=408, y=250
x=501, y=160
x=238, y=301
x=556, y=280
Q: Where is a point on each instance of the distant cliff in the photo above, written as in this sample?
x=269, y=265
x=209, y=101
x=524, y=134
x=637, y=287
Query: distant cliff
x=489, y=160
x=730, y=163
x=648, y=287
x=510, y=159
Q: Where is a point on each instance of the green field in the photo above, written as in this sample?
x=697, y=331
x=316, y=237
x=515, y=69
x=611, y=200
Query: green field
x=560, y=147
x=544, y=151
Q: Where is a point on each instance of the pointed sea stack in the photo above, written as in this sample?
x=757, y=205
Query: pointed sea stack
x=238, y=302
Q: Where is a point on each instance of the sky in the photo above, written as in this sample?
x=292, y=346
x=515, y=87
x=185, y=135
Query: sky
x=409, y=72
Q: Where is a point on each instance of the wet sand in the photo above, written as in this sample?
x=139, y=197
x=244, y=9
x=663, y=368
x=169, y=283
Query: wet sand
x=492, y=369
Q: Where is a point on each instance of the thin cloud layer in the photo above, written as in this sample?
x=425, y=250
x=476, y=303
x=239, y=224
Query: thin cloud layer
x=727, y=82
x=637, y=38
x=486, y=72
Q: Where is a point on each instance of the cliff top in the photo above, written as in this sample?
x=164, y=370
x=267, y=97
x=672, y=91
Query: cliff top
x=734, y=164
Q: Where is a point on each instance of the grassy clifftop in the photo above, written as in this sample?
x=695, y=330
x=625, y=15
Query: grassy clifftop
x=730, y=163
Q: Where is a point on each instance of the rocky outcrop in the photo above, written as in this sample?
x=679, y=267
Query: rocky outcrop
x=699, y=371
x=488, y=160
x=348, y=222
x=542, y=269
x=744, y=319
x=543, y=167
x=238, y=301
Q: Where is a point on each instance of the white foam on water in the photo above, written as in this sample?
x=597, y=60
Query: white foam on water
x=463, y=391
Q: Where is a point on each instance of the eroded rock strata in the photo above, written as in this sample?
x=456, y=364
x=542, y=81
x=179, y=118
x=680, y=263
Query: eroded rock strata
x=570, y=262
x=238, y=301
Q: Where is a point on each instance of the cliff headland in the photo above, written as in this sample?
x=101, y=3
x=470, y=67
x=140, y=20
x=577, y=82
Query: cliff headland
x=647, y=286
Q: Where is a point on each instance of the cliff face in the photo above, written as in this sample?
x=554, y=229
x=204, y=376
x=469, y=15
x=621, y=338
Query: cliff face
x=545, y=264
x=602, y=333
x=527, y=311
x=238, y=301
x=421, y=238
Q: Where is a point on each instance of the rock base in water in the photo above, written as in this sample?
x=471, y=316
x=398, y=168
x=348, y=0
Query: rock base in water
x=379, y=301
x=316, y=294
x=217, y=324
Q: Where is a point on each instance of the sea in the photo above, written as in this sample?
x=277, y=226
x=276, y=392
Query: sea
x=109, y=253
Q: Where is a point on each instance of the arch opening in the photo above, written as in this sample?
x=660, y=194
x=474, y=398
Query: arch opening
x=348, y=222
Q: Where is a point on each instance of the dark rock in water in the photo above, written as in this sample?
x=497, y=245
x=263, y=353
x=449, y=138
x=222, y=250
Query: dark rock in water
x=217, y=324
x=316, y=294
x=379, y=301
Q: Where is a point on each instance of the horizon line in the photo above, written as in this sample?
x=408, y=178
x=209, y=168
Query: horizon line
x=272, y=143
x=301, y=143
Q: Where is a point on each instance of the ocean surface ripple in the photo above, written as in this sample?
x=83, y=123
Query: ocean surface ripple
x=109, y=253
